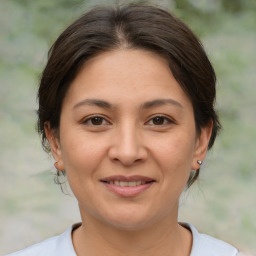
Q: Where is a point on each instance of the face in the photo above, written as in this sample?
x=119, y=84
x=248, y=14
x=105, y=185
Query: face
x=127, y=139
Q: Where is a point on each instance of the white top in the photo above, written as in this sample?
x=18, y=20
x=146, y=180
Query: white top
x=203, y=245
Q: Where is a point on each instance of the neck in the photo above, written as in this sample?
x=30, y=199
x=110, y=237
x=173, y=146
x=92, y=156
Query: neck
x=165, y=238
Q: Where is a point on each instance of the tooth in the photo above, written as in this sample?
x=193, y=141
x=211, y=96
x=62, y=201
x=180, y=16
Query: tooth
x=123, y=184
x=127, y=184
x=132, y=183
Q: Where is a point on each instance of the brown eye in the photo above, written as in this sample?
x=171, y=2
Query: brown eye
x=159, y=120
x=95, y=121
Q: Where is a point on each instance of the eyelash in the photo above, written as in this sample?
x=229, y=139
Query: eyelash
x=163, y=118
x=166, y=120
x=91, y=118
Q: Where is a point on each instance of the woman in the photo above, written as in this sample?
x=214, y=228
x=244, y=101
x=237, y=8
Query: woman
x=126, y=107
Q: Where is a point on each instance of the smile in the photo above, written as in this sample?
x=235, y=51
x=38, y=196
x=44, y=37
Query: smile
x=127, y=183
x=127, y=186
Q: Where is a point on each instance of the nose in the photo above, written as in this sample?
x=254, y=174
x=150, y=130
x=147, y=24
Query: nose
x=127, y=146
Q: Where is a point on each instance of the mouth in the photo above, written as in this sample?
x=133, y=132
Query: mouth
x=128, y=186
x=127, y=183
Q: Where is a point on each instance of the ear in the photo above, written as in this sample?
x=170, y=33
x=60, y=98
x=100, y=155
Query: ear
x=55, y=145
x=201, y=145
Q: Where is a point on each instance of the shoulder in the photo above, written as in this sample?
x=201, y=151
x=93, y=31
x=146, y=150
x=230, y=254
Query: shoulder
x=45, y=247
x=210, y=246
x=54, y=246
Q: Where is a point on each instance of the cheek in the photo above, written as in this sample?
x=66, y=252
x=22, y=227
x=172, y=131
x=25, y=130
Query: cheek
x=81, y=153
x=174, y=157
x=176, y=150
x=82, y=157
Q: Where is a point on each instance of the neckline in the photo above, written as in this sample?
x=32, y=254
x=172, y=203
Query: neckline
x=75, y=226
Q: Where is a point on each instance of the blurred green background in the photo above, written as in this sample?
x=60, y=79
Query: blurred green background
x=222, y=203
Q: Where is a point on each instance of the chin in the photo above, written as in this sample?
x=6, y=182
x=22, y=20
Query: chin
x=129, y=221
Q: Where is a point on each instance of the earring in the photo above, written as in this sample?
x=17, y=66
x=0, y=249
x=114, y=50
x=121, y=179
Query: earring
x=56, y=166
x=199, y=162
x=59, y=172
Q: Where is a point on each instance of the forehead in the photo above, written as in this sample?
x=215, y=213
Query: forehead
x=125, y=75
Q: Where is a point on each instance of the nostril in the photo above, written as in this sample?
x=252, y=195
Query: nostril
x=138, y=161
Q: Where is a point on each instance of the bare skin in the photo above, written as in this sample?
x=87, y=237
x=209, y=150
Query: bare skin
x=126, y=118
x=163, y=240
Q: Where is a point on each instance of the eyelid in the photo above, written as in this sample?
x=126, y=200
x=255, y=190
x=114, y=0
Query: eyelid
x=90, y=117
x=168, y=118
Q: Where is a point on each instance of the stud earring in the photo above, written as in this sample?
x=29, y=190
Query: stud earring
x=199, y=162
x=59, y=171
x=56, y=165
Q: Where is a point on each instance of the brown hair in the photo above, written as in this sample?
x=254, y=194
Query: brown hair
x=134, y=26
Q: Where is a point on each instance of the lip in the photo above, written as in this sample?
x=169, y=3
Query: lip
x=127, y=178
x=127, y=191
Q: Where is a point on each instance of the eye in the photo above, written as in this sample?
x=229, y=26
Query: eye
x=160, y=121
x=96, y=121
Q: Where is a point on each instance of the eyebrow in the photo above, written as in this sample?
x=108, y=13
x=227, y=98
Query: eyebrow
x=160, y=102
x=145, y=105
x=94, y=102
